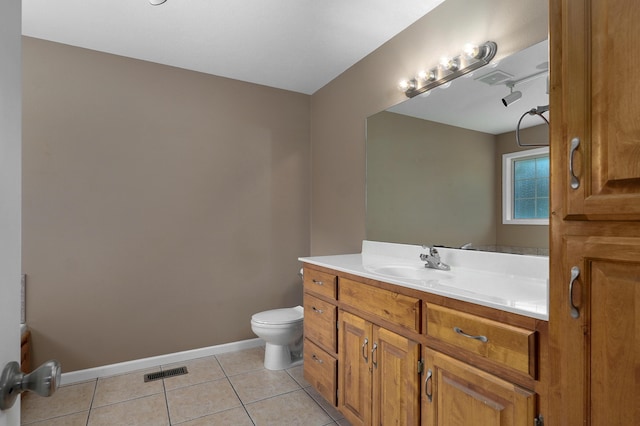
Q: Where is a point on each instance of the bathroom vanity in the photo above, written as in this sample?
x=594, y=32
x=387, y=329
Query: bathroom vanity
x=388, y=341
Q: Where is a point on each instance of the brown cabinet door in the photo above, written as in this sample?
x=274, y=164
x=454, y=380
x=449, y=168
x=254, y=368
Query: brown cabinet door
x=396, y=381
x=598, y=347
x=458, y=394
x=354, y=368
x=600, y=107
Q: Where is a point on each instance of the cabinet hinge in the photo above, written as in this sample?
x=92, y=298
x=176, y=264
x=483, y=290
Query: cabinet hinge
x=337, y=325
x=420, y=366
x=538, y=421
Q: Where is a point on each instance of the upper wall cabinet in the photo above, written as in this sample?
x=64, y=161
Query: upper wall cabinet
x=601, y=112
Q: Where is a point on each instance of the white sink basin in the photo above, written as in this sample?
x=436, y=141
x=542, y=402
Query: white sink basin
x=463, y=281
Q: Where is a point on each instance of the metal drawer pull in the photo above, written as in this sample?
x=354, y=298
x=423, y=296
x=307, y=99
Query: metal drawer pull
x=318, y=282
x=364, y=352
x=575, y=273
x=483, y=339
x=373, y=351
x=317, y=311
x=426, y=383
x=575, y=182
x=316, y=359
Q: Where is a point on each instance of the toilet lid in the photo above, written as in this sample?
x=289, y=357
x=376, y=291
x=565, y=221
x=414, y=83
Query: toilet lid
x=279, y=316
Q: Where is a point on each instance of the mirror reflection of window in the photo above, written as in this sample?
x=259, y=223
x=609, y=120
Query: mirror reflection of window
x=526, y=187
x=531, y=188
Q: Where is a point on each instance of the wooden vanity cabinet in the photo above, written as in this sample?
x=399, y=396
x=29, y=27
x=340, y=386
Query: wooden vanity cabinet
x=378, y=369
x=457, y=393
x=507, y=345
x=379, y=377
x=408, y=357
x=320, y=332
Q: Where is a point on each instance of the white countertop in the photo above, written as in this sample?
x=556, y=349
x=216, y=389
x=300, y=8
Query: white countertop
x=512, y=283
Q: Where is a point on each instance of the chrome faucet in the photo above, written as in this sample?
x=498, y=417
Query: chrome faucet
x=433, y=259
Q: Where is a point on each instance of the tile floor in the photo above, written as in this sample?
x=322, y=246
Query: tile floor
x=227, y=389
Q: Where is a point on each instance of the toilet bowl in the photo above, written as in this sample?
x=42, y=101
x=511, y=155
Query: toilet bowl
x=281, y=329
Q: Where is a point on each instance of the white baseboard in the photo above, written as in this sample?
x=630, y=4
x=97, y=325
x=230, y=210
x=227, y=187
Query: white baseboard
x=156, y=361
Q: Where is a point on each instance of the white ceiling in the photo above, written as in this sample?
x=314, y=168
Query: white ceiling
x=474, y=105
x=297, y=45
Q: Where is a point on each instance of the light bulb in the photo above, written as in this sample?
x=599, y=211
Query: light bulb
x=405, y=85
x=427, y=75
x=449, y=64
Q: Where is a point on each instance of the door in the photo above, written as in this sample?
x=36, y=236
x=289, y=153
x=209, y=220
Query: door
x=598, y=331
x=458, y=394
x=396, y=379
x=354, y=368
x=600, y=107
x=10, y=146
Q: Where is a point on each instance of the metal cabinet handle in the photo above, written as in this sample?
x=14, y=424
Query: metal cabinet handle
x=483, y=339
x=316, y=359
x=364, y=352
x=373, y=351
x=575, y=273
x=426, y=387
x=44, y=381
x=318, y=282
x=575, y=182
x=316, y=310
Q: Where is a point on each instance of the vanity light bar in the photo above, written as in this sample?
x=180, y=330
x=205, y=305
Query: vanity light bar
x=472, y=58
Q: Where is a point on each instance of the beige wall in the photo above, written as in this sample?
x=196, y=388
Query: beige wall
x=340, y=108
x=162, y=207
x=429, y=183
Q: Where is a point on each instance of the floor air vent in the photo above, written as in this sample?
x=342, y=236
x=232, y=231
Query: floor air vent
x=164, y=374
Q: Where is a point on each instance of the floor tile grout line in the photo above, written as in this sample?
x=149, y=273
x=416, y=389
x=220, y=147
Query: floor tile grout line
x=166, y=400
x=234, y=390
x=240, y=400
x=93, y=397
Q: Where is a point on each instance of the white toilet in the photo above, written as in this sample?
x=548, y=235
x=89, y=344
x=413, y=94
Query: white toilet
x=281, y=329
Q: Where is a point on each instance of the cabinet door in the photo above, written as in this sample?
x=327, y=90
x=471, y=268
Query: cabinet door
x=458, y=394
x=354, y=373
x=597, y=349
x=396, y=381
x=597, y=69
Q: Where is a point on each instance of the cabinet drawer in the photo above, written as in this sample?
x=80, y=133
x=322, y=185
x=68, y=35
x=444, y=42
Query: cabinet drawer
x=320, y=283
x=320, y=322
x=508, y=345
x=320, y=370
x=394, y=307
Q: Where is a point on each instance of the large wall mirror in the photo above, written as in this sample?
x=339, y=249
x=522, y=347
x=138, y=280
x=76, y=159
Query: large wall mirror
x=434, y=162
